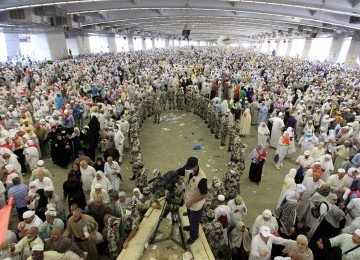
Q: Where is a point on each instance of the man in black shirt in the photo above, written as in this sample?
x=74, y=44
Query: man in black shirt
x=195, y=195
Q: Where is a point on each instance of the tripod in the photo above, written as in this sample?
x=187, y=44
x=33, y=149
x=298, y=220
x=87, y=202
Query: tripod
x=173, y=208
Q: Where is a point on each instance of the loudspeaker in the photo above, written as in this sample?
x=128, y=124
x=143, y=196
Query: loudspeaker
x=313, y=35
x=186, y=34
x=354, y=19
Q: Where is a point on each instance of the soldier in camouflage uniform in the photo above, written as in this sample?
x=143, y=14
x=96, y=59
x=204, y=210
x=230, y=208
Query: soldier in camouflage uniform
x=233, y=133
x=188, y=101
x=157, y=111
x=171, y=97
x=196, y=102
x=113, y=232
x=149, y=103
x=131, y=222
x=141, y=177
x=213, y=231
x=218, y=124
x=231, y=181
x=180, y=97
x=163, y=98
x=136, y=167
x=225, y=124
x=146, y=202
x=159, y=193
x=216, y=188
x=144, y=109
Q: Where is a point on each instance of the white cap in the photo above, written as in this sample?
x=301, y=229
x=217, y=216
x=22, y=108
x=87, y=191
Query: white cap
x=267, y=213
x=341, y=170
x=50, y=213
x=357, y=232
x=265, y=231
x=307, y=152
x=98, y=186
x=40, y=163
x=28, y=214
x=221, y=197
x=281, y=114
x=317, y=163
x=38, y=247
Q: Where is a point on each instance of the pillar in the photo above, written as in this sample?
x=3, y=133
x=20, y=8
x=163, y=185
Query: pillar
x=112, y=43
x=335, y=49
x=130, y=42
x=288, y=50
x=12, y=43
x=83, y=44
x=49, y=46
x=167, y=44
x=353, y=53
x=306, y=51
x=143, y=43
x=153, y=43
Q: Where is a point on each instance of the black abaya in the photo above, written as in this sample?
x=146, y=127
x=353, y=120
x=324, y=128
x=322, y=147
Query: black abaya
x=255, y=171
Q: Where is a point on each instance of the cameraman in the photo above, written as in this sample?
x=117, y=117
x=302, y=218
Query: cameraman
x=195, y=195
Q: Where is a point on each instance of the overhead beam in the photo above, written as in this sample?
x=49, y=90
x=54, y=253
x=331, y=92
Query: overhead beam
x=313, y=12
x=355, y=3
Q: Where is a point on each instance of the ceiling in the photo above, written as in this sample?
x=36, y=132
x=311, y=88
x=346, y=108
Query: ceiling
x=207, y=19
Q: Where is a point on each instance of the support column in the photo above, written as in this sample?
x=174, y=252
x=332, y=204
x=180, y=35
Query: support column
x=353, y=53
x=288, y=50
x=167, y=44
x=130, y=42
x=112, y=44
x=72, y=44
x=49, y=46
x=12, y=43
x=83, y=44
x=277, y=46
x=153, y=43
x=143, y=43
x=335, y=49
x=306, y=51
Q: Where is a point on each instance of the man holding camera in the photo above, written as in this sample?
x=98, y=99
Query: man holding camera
x=195, y=195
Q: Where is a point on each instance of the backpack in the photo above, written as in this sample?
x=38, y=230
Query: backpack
x=315, y=211
x=224, y=221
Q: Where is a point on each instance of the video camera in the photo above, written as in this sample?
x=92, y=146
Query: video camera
x=168, y=182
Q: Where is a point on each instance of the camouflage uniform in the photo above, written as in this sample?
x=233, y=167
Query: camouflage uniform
x=171, y=98
x=131, y=222
x=217, y=125
x=213, y=194
x=213, y=231
x=180, y=99
x=231, y=181
x=188, y=101
x=144, y=109
x=114, y=233
x=224, y=128
x=163, y=98
x=141, y=178
x=157, y=111
x=233, y=133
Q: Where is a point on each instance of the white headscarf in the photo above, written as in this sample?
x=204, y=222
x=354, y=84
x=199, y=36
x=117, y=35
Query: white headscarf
x=263, y=130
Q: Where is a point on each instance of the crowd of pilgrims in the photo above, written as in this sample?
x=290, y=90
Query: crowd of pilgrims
x=88, y=111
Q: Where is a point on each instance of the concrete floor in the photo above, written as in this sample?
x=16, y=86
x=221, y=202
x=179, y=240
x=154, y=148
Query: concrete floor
x=167, y=146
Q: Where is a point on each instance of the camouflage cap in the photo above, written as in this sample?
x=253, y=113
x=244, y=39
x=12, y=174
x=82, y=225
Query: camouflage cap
x=130, y=205
x=146, y=191
x=210, y=213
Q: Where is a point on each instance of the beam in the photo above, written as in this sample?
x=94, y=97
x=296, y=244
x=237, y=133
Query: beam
x=313, y=12
x=355, y=3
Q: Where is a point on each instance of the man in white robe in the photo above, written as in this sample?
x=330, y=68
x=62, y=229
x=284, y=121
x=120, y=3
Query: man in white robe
x=119, y=140
x=277, y=126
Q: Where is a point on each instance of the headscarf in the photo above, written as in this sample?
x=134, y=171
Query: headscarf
x=33, y=187
x=324, y=189
x=292, y=173
x=332, y=198
x=286, y=214
x=104, y=181
x=263, y=130
x=326, y=165
x=304, y=252
x=295, y=192
x=258, y=153
x=238, y=237
x=333, y=217
x=137, y=199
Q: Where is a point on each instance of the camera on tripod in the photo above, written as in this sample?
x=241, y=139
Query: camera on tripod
x=168, y=181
